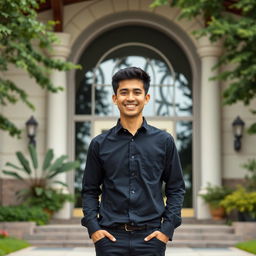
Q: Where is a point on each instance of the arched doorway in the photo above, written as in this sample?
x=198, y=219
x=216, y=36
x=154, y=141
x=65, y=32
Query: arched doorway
x=171, y=106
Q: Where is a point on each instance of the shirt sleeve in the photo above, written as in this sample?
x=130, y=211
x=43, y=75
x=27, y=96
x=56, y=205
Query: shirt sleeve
x=92, y=179
x=174, y=190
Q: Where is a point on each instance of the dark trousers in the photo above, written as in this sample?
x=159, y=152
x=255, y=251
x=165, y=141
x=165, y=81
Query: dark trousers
x=130, y=243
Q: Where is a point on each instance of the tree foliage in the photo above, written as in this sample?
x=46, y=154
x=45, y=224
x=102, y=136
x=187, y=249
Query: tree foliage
x=22, y=41
x=239, y=41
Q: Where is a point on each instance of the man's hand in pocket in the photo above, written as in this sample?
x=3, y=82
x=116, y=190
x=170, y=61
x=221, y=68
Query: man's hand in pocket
x=158, y=235
x=100, y=234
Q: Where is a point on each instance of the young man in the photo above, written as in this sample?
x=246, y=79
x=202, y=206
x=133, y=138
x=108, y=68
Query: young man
x=131, y=161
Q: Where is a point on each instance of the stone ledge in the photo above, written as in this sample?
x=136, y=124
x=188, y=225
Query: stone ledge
x=18, y=228
x=245, y=229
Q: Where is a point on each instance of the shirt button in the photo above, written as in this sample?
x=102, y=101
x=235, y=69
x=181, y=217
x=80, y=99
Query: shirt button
x=132, y=157
x=132, y=139
x=132, y=191
x=133, y=173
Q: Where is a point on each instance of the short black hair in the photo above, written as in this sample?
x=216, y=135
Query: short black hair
x=128, y=74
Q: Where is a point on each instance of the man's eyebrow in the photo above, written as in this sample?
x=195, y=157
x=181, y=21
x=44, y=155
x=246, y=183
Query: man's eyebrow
x=127, y=89
x=133, y=89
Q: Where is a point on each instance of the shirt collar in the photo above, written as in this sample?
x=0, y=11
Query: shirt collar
x=119, y=127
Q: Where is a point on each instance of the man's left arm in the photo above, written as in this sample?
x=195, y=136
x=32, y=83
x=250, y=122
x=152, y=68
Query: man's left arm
x=174, y=190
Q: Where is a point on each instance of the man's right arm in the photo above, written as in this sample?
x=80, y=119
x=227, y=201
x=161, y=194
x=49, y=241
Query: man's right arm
x=92, y=179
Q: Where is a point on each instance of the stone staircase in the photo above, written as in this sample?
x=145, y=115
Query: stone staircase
x=188, y=235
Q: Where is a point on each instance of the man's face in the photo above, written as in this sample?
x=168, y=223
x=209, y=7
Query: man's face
x=130, y=97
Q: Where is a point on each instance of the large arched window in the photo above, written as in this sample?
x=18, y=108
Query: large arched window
x=171, y=89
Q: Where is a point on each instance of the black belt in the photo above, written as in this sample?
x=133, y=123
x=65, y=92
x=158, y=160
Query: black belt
x=129, y=227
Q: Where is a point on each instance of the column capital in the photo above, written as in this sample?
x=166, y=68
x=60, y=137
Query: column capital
x=206, y=48
x=61, y=48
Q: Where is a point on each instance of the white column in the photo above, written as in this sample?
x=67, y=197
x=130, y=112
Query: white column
x=57, y=112
x=210, y=122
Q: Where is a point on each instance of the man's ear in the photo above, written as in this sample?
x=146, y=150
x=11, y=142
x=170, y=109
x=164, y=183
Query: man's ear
x=114, y=99
x=147, y=97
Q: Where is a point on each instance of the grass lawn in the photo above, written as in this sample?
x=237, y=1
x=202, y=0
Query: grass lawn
x=9, y=244
x=249, y=246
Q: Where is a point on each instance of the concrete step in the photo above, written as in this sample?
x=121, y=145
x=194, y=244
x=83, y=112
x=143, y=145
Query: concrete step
x=176, y=243
x=207, y=228
x=206, y=221
x=188, y=228
x=61, y=243
x=202, y=243
x=185, y=220
x=177, y=236
x=72, y=221
x=189, y=235
x=58, y=236
x=60, y=228
x=212, y=237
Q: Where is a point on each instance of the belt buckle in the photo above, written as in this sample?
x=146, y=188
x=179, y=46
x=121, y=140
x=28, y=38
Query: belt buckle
x=125, y=227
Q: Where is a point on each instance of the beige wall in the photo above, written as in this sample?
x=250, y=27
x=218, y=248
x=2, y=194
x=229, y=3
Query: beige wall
x=232, y=160
x=19, y=114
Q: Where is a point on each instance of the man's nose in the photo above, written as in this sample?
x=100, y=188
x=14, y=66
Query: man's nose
x=130, y=96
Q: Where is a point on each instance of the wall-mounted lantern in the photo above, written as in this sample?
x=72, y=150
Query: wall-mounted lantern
x=31, y=126
x=238, y=129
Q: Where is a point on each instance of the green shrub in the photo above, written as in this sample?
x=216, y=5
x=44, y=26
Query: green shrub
x=23, y=213
x=242, y=201
x=49, y=198
x=215, y=194
x=9, y=244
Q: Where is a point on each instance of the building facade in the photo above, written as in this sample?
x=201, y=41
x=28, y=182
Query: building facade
x=104, y=36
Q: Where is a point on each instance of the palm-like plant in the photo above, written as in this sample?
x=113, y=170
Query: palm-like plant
x=39, y=180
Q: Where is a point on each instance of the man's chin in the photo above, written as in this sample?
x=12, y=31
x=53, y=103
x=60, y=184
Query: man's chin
x=130, y=114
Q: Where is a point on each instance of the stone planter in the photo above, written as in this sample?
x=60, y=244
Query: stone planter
x=245, y=229
x=18, y=228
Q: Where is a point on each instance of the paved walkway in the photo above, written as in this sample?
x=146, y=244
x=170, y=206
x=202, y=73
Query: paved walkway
x=34, y=251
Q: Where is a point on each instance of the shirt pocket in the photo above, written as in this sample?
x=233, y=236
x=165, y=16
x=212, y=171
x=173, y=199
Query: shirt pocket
x=152, y=169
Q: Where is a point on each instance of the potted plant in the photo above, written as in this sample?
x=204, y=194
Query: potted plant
x=50, y=199
x=243, y=198
x=40, y=180
x=213, y=196
x=243, y=201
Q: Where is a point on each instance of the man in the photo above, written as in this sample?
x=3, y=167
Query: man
x=131, y=161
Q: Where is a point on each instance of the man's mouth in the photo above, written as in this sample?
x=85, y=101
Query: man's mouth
x=130, y=106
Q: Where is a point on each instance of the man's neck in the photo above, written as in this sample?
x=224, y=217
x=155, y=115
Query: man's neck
x=131, y=124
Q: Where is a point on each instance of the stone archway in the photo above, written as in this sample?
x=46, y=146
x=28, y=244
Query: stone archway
x=167, y=27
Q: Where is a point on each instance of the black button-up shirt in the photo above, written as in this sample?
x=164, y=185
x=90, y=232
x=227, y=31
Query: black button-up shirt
x=131, y=170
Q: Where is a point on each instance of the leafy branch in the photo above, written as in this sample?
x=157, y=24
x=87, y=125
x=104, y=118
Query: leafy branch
x=239, y=41
x=23, y=41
